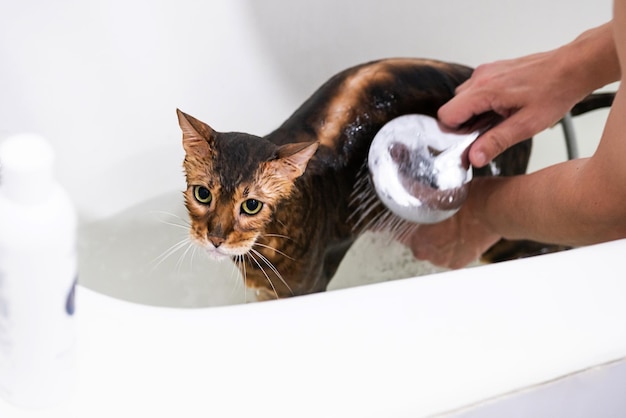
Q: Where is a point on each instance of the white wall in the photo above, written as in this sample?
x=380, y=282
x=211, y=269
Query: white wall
x=102, y=79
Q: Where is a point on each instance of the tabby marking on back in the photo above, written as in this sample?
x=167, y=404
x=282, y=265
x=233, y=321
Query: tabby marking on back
x=287, y=206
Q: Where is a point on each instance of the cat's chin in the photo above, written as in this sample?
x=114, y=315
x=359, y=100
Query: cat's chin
x=219, y=254
x=216, y=255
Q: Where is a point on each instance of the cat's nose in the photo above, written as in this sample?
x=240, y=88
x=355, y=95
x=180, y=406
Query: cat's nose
x=216, y=241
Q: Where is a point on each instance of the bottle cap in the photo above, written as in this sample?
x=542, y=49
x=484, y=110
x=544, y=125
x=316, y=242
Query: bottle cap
x=26, y=168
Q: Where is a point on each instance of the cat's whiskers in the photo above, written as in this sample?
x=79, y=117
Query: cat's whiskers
x=179, y=223
x=273, y=268
x=278, y=236
x=184, y=223
x=250, y=256
x=179, y=263
x=245, y=277
x=281, y=223
x=274, y=249
x=173, y=249
x=185, y=227
x=238, y=267
x=234, y=269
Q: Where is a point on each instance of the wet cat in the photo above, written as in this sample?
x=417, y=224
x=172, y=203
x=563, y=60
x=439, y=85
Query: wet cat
x=286, y=207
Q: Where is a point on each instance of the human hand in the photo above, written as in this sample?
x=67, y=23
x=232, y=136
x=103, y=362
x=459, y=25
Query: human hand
x=455, y=242
x=529, y=93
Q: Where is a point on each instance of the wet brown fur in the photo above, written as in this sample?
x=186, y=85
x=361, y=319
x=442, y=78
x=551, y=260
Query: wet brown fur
x=309, y=174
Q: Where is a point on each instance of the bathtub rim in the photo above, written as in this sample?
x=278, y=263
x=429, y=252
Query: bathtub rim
x=415, y=339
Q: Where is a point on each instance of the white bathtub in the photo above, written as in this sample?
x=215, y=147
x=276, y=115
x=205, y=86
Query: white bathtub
x=541, y=337
x=538, y=337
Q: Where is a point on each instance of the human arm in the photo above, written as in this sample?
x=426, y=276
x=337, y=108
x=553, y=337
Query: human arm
x=577, y=202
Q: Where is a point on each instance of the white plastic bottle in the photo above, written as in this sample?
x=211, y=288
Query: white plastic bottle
x=38, y=271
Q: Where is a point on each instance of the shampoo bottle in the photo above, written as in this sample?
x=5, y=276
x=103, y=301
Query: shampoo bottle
x=37, y=276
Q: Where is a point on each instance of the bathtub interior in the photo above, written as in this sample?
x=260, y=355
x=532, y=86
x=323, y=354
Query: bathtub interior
x=143, y=255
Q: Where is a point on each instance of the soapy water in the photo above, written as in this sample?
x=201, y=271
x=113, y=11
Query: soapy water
x=143, y=255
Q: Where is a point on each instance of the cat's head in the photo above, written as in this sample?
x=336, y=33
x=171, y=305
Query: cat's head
x=235, y=181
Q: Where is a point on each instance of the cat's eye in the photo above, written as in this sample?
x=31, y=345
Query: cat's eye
x=202, y=194
x=251, y=207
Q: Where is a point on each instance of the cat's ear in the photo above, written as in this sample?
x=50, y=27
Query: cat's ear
x=197, y=135
x=293, y=158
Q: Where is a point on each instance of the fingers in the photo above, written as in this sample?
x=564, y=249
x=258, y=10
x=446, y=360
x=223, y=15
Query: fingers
x=517, y=91
x=451, y=256
x=462, y=107
x=475, y=96
x=443, y=244
x=438, y=245
x=465, y=106
x=515, y=129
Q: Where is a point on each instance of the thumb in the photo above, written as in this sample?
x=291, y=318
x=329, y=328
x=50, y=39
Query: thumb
x=496, y=140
